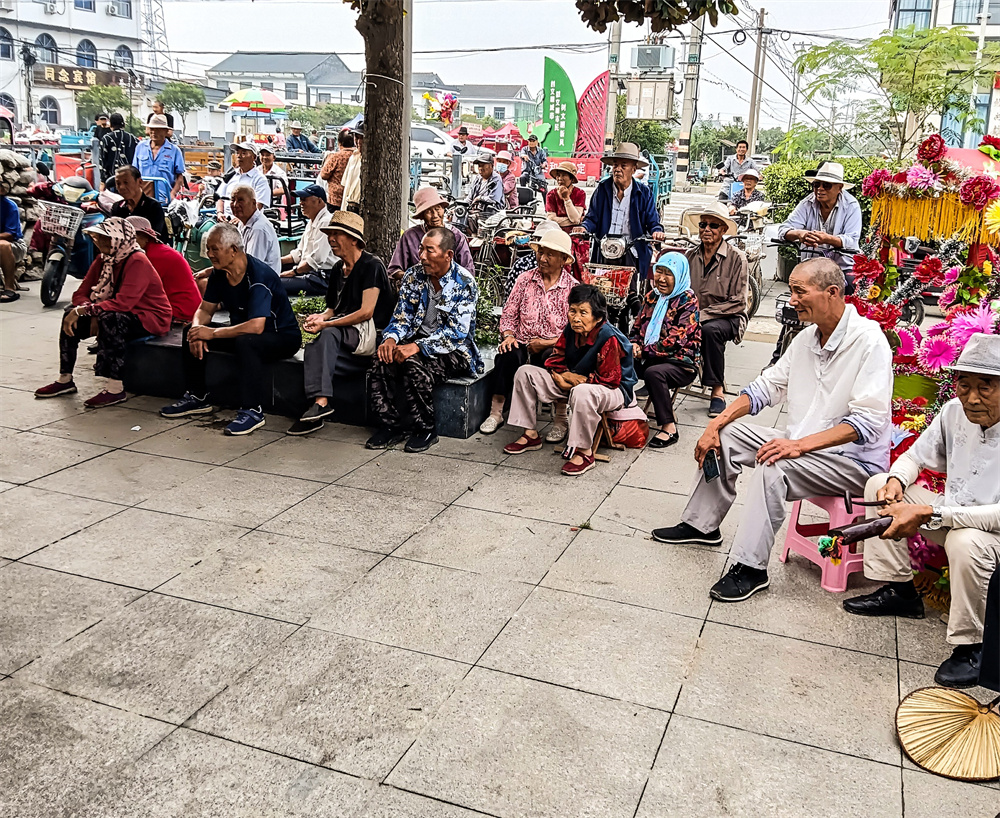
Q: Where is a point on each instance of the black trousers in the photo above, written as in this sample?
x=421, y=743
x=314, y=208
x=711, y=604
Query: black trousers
x=252, y=352
x=714, y=334
x=662, y=378
x=402, y=395
x=308, y=284
x=506, y=364
x=989, y=668
x=113, y=330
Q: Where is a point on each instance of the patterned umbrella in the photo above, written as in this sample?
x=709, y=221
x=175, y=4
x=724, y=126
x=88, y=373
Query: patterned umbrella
x=255, y=99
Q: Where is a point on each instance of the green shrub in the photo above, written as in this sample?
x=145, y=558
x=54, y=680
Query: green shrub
x=303, y=307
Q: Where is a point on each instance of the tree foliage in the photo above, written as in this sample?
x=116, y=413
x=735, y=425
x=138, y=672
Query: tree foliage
x=100, y=99
x=319, y=117
x=902, y=81
x=649, y=136
x=662, y=15
x=768, y=139
x=708, y=139
x=182, y=98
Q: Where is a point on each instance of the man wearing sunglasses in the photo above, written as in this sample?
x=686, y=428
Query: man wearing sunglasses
x=827, y=222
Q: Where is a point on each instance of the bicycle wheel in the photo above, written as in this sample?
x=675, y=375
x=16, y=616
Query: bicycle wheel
x=753, y=295
x=913, y=312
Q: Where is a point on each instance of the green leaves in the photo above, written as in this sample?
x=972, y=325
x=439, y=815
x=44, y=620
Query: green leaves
x=663, y=15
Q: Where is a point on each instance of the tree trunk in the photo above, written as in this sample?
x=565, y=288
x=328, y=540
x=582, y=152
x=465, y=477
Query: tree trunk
x=387, y=119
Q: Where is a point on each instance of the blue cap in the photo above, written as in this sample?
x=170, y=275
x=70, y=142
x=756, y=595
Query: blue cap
x=311, y=190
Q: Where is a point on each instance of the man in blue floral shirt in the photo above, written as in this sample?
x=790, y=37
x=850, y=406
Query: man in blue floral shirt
x=431, y=338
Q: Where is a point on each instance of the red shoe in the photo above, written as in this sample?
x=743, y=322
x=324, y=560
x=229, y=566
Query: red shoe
x=54, y=390
x=532, y=444
x=571, y=469
x=105, y=398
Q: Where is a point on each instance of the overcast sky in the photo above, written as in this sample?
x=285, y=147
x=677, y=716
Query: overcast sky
x=200, y=31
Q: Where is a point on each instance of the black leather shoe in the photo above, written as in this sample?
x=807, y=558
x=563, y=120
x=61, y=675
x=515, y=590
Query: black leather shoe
x=742, y=582
x=961, y=669
x=886, y=601
x=384, y=438
x=420, y=441
x=662, y=442
x=684, y=534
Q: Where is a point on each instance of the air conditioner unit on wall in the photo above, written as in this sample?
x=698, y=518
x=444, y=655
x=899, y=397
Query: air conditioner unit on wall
x=113, y=11
x=653, y=58
x=51, y=8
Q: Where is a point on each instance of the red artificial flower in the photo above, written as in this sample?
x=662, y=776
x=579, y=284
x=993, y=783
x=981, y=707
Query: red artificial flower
x=932, y=149
x=990, y=141
x=886, y=315
x=919, y=401
x=869, y=269
x=930, y=271
x=978, y=191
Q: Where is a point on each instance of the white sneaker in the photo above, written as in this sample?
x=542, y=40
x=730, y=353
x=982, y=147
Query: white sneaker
x=491, y=424
x=557, y=434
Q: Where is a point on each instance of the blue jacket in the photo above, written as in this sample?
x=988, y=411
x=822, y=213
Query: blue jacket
x=642, y=217
x=300, y=143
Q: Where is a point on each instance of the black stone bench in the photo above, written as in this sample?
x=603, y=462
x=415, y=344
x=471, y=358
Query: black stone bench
x=154, y=367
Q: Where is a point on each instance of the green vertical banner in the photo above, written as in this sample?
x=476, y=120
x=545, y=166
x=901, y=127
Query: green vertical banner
x=558, y=111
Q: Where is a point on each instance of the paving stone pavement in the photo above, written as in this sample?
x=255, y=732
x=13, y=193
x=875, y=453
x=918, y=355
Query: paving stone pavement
x=193, y=625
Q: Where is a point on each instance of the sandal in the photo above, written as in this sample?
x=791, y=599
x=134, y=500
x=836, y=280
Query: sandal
x=9, y=295
x=557, y=434
x=491, y=424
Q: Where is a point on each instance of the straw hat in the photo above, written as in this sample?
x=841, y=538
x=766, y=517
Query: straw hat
x=750, y=172
x=981, y=355
x=828, y=172
x=141, y=225
x=557, y=240
x=426, y=198
x=350, y=224
x=626, y=150
x=716, y=209
x=565, y=167
x=158, y=121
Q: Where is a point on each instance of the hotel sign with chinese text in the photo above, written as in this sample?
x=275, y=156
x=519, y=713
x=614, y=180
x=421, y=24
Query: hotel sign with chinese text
x=75, y=78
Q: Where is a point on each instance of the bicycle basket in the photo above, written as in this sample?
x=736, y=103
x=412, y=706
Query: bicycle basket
x=613, y=282
x=60, y=220
x=753, y=245
x=785, y=314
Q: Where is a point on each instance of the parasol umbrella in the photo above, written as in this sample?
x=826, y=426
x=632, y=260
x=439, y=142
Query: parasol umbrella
x=949, y=733
x=250, y=101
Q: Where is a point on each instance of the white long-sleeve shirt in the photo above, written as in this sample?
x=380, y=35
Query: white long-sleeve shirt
x=260, y=240
x=847, y=381
x=255, y=179
x=314, y=248
x=970, y=456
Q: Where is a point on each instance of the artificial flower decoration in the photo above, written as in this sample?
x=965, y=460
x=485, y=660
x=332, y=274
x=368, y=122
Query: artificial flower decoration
x=932, y=149
x=920, y=178
x=990, y=145
x=951, y=276
x=936, y=352
x=965, y=324
x=930, y=271
x=978, y=191
x=909, y=341
x=875, y=181
x=869, y=269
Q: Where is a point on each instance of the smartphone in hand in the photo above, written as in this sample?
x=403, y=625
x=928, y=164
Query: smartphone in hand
x=710, y=466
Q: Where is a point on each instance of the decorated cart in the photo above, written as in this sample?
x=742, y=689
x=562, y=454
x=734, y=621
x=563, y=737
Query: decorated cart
x=935, y=228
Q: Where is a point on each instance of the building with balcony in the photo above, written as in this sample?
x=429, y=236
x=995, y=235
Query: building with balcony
x=75, y=44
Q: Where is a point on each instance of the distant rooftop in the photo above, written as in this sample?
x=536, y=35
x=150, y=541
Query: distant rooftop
x=256, y=62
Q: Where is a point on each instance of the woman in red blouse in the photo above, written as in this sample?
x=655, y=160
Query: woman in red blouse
x=566, y=205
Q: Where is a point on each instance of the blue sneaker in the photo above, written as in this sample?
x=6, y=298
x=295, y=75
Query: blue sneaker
x=246, y=421
x=188, y=405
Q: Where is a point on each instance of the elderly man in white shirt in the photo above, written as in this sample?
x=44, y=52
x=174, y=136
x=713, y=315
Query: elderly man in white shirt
x=259, y=238
x=963, y=441
x=836, y=379
x=247, y=173
x=306, y=269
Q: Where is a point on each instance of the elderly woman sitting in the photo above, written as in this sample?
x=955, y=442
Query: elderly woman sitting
x=119, y=300
x=666, y=340
x=429, y=208
x=532, y=321
x=591, y=364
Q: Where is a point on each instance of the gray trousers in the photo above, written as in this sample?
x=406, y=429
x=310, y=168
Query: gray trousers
x=817, y=474
x=331, y=355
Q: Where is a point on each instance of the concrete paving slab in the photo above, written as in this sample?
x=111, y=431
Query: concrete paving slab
x=5, y=486
x=923, y=641
x=190, y=774
x=478, y=448
x=109, y=551
x=32, y=336
x=345, y=432
x=931, y=796
x=636, y=512
x=161, y=657
x=614, y=650
x=776, y=686
x=233, y=496
x=548, y=462
x=42, y=609
x=59, y=750
x=331, y=700
x=369, y=520
x=271, y=575
x=123, y=477
x=26, y=456
x=113, y=426
x=440, y=480
x=392, y=803
x=424, y=607
x=706, y=770
x=31, y=518
x=513, y=746
x=204, y=442
x=638, y=572
x=485, y=542
x=322, y=460
x=21, y=410
x=672, y=470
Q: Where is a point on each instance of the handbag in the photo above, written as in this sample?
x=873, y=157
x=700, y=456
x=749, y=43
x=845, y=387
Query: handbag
x=366, y=335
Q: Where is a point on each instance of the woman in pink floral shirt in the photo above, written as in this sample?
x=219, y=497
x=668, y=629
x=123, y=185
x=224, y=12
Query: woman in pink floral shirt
x=533, y=319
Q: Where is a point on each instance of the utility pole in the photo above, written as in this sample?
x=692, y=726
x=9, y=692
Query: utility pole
x=800, y=48
x=408, y=102
x=29, y=58
x=755, y=89
x=689, y=109
x=614, y=55
x=833, y=124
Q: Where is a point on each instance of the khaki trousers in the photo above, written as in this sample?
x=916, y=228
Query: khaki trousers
x=586, y=402
x=973, y=555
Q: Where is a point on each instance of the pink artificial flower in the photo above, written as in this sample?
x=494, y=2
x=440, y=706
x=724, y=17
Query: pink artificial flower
x=875, y=181
x=909, y=341
x=965, y=325
x=951, y=276
x=947, y=297
x=920, y=178
x=978, y=191
x=936, y=353
x=940, y=328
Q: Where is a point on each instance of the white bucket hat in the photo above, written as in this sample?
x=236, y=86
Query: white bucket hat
x=716, y=209
x=828, y=172
x=981, y=355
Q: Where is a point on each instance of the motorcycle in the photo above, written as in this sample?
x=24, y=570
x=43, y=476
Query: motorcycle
x=70, y=251
x=531, y=191
x=617, y=282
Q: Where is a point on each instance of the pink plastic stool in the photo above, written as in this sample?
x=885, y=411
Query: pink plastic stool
x=834, y=576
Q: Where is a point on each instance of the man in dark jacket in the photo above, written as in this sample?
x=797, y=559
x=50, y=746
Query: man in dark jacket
x=117, y=150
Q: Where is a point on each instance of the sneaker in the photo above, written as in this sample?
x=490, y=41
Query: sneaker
x=420, y=441
x=684, y=534
x=491, y=424
x=531, y=444
x=716, y=406
x=742, y=582
x=571, y=469
x=317, y=412
x=886, y=601
x=188, y=405
x=245, y=422
x=961, y=669
x=304, y=427
x=55, y=389
x=105, y=398
x=557, y=434
x=384, y=438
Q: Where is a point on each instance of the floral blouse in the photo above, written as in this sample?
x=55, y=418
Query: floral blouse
x=680, y=333
x=533, y=312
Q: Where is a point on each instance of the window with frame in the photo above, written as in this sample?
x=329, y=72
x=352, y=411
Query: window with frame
x=479, y=111
x=6, y=45
x=291, y=90
x=48, y=109
x=124, y=56
x=7, y=101
x=499, y=113
x=86, y=54
x=46, y=48
x=85, y=5
x=914, y=13
x=966, y=12
x=244, y=85
x=324, y=99
x=267, y=86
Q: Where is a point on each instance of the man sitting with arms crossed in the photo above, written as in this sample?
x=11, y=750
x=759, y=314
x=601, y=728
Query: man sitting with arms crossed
x=262, y=329
x=430, y=339
x=963, y=441
x=836, y=379
x=307, y=268
x=259, y=238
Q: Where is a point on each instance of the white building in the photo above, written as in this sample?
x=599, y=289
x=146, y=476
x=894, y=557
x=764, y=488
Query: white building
x=76, y=44
x=507, y=103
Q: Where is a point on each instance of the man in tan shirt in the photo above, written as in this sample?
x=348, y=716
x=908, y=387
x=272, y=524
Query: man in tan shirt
x=719, y=277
